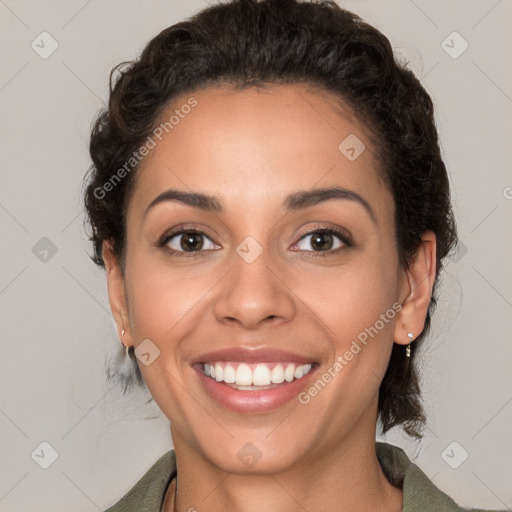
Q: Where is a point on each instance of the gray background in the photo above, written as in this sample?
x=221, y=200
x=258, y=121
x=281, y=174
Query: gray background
x=57, y=332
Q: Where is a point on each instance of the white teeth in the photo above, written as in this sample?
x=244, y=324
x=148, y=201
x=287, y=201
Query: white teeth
x=261, y=376
x=278, y=374
x=229, y=374
x=243, y=375
x=289, y=373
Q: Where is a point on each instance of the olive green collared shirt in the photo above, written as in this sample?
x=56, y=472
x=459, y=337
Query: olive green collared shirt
x=419, y=493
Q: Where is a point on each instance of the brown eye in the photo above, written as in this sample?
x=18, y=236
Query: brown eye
x=321, y=241
x=189, y=241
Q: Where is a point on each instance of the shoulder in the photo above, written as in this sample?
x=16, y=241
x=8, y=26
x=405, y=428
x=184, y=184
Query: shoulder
x=149, y=492
x=419, y=493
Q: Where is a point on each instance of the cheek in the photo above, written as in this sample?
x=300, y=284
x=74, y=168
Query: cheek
x=359, y=306
x=358, y=303
x=350, y=299
x=166, y=306
x=159, y=301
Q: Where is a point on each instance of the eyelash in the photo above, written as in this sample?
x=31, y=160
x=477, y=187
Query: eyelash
x=331, y=230
x=319, y=230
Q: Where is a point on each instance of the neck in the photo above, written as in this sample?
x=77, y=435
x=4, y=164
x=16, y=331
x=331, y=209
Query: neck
x=346, y=477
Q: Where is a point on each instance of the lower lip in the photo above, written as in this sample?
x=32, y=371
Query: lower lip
x=254, y=401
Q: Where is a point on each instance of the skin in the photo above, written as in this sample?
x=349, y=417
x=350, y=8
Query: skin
x=252, y=148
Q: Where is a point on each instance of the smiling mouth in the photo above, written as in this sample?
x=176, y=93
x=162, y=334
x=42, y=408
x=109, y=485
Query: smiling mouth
x=254, y=376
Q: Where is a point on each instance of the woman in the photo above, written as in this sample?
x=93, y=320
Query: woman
x=268, y=199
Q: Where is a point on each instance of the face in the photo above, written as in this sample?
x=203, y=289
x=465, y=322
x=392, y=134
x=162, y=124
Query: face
x=267, y=271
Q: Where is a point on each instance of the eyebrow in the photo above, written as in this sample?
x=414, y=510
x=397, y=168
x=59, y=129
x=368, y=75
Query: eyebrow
x=307, y=198
x=293, y=202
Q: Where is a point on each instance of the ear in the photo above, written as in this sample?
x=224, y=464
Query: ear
x=415, y=291
x=116, y=293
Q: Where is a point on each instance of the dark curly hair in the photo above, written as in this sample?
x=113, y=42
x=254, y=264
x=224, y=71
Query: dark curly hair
x=249, y=43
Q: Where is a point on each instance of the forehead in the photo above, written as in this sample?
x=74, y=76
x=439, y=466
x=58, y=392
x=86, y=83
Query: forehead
x=254, y=146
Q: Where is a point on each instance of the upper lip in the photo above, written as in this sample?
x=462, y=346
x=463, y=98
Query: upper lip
x=252, y=355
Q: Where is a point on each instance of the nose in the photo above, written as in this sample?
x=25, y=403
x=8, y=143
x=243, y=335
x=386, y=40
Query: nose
x=254, y=294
